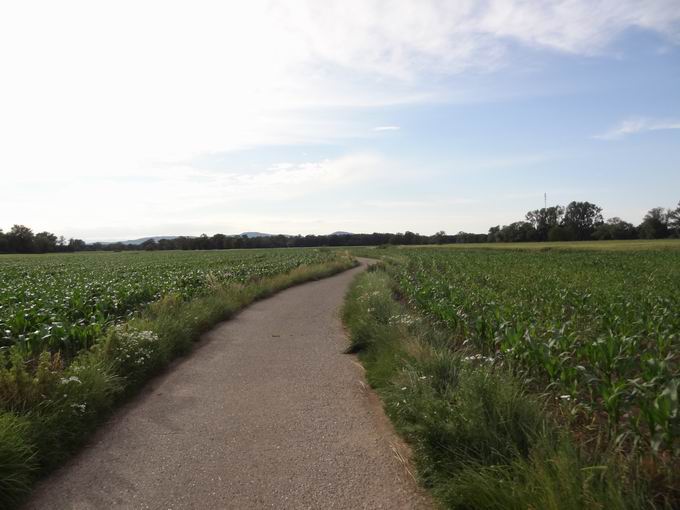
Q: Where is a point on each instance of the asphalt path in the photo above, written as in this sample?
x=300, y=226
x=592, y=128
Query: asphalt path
x=266, y=412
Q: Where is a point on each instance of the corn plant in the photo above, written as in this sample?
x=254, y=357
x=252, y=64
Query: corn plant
x=599, y=330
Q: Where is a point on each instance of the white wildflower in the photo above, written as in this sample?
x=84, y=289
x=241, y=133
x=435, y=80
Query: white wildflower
x=71, y=379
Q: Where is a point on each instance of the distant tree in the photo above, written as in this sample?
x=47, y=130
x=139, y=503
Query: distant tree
x=76, y=245
x=468, y=237
x=409, y=237
x=544, y=219
x=494, y=234
x=561, y=233
x=674, y=221
x=202, y=242
x=20, y=239
x=582, y=218
x=655, y=224
x=439, y=237
x=615, y=228
x=149, y=245
x=517, y=232
x=44, y=242
x=3, y=242
x=219, y=241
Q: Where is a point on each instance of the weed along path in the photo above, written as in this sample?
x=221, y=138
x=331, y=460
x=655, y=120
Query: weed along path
x=266, y=412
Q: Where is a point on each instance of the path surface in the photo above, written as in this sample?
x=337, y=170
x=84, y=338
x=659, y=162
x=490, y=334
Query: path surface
x=266, y=412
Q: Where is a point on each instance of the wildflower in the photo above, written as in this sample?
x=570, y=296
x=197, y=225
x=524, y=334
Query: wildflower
x=71, y=379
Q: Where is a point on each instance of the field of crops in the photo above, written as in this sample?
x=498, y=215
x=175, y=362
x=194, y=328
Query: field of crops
x=600, y=331
x=65, y=301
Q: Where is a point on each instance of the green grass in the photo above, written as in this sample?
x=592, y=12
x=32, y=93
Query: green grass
x=17, y=465
x=481, y=438
x=50, y=403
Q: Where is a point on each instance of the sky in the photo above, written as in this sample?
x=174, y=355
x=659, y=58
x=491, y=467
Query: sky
x=127, y=119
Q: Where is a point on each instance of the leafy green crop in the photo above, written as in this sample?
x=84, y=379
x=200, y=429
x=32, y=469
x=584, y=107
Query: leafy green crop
x=598, y=330
x=64, y=302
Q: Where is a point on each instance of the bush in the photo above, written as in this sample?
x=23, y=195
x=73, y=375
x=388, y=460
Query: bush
x=133, y=353
x=24, y=383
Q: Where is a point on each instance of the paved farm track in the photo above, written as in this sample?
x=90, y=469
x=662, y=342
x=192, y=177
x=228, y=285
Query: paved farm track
x=266, y=412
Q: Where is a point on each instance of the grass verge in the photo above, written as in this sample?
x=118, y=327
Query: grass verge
x=47, y=409
x=481, y=440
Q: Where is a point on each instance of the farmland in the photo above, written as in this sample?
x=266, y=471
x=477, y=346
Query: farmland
x=602, y=329
x=64, y=302
x=593, y=335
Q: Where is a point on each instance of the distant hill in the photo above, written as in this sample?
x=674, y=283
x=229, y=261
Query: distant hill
x=142, y=240
x=255, y=234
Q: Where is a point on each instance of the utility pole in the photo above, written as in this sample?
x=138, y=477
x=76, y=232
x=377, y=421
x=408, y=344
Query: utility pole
x=545, y=200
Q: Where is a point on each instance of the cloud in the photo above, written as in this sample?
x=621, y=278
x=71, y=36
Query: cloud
x=386, y=128
x=101, y=98
x=184, y=195
x=188, y=79
x=637, y=125
x=430, y=203
x=403, y=38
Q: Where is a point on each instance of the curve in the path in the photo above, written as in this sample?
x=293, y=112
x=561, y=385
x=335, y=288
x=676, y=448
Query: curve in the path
x=266, y=412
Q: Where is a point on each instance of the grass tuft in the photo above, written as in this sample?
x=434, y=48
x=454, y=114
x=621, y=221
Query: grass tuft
x=17, y=459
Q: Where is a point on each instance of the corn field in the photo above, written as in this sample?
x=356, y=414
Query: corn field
x=599, y=332
x=64, y=302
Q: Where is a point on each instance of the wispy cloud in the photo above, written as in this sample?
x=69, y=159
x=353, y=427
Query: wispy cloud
x=637, y=125
x=386, y=128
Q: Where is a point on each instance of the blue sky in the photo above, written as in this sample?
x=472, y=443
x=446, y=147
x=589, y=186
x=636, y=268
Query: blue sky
x=299, y=117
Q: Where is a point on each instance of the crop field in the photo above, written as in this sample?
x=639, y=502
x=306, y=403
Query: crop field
x=600, y=331
x=614, y=245
x=64, y=302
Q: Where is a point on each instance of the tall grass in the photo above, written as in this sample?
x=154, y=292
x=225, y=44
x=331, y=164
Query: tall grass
x=481, y=440
x=47, y=410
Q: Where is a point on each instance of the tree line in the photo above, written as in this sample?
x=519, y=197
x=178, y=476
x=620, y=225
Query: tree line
x=580, y=221
x=576, y=222
x=227, y=242
x=21, y=239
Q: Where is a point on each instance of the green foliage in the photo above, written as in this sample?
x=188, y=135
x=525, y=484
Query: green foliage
x=72, y=408
x=17, y=465
x=481, y=441
x=598, y=330
x=133, y=352
x=552, y=477
x=24, y=383
x=615, y=228
x=655, y=224
x=582, y=218
x=64, y=302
